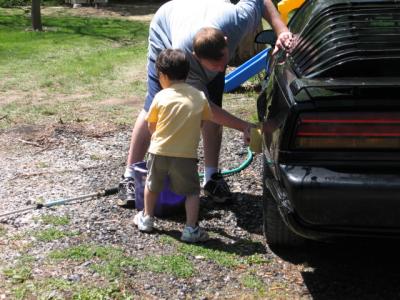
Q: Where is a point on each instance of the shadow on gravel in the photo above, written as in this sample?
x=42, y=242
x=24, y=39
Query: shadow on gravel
x=247, y=209
x=350, y=269
x=239, y=246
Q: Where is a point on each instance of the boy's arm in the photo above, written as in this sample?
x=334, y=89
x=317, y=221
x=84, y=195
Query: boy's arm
x=224, y=118
x=152, y=126
x=152, y=116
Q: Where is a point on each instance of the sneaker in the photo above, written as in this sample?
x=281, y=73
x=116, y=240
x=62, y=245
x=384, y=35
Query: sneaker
x=217, y=189
x=126, y=192
x=194, y=235
x=144, y=223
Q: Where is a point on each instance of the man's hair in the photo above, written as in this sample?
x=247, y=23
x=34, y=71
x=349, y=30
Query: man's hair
x=173, y=63
x=209, y=43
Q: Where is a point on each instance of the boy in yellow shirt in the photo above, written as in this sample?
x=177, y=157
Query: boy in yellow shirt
x=174, y=119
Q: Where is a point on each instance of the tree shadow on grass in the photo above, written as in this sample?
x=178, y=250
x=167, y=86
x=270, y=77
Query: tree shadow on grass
x=123, y=31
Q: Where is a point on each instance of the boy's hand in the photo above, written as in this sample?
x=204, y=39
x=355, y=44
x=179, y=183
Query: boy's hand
x=247, y=133
x=152, y=127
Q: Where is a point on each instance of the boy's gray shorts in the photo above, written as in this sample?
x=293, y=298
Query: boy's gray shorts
x=182, y=172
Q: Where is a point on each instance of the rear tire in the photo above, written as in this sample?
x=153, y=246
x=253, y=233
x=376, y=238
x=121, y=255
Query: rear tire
x=276, y=233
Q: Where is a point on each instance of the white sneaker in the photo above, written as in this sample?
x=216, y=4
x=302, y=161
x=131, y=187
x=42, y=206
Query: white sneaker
x=144, y=223
x=194, y=235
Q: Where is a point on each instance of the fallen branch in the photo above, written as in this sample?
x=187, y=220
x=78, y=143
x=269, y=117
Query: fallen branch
x=30, y=143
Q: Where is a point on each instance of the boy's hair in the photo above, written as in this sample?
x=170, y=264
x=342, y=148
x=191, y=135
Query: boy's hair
x=209, y=43
x=173, y=63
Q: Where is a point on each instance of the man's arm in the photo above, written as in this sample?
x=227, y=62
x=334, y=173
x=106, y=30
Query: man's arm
x=284, y=36
x=273, y=17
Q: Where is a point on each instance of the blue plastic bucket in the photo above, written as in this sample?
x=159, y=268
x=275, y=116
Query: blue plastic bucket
x=168, y=203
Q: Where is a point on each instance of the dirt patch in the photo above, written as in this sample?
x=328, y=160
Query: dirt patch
x=136, y=12
x=133, y=101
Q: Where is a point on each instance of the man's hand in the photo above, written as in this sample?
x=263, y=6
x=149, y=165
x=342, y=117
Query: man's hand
x=284, y=41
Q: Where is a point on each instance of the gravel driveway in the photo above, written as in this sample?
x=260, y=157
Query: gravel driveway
x=60, y=161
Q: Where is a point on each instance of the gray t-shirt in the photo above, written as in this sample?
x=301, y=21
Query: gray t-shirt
x=177, y=21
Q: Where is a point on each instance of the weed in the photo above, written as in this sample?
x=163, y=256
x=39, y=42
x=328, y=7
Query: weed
x=53, y=288
x=114, y=267
x=20, y=291
x=278, y=291
x=51, y=234
x=42, y=164
x=253, y=282
x=91, y=293
x=3, y=230
x=55, y=220
x=18, y=274
x=112, y=261
x=222, y=258
x=18, y=237
x=95, y=157
x=177, y=265
x=26, y=259
x=86, y=252
x=167, y=240
x=256, y=259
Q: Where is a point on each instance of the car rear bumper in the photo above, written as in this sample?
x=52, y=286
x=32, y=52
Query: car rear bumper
x=322, y=202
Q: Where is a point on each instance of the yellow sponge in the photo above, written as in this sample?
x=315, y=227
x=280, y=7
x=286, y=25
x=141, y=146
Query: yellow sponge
x=256, y=139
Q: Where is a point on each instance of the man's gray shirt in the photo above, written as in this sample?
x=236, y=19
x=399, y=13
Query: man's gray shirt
x=176, y=22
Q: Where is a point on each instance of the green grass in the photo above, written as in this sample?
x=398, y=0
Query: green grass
x=111, y=262
x=51, y=234
x=13, y=3
x=253, y=282
x=176, y=265
x=96, y=293
x=65, y=70
x=85, y=252
x=114, y=268
x=18, y=274
x=55, y=220
x=42, y=165
x=220, y=257
x=55, y=288
x=3, y=231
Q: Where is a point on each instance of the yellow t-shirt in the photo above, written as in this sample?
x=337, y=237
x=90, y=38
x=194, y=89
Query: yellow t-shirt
x=178, y=111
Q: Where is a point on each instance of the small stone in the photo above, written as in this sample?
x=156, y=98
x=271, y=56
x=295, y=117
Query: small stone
x=74, y=278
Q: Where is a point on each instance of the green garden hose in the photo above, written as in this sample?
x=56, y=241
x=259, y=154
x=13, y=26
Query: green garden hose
x=244, y=165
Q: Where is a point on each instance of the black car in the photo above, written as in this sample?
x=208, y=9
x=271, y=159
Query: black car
x=332, y=160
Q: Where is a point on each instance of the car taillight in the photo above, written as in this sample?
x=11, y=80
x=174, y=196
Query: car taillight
x=348, y=130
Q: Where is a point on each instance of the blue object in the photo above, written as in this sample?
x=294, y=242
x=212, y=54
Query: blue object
x=168, y=203
x=246, y=70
